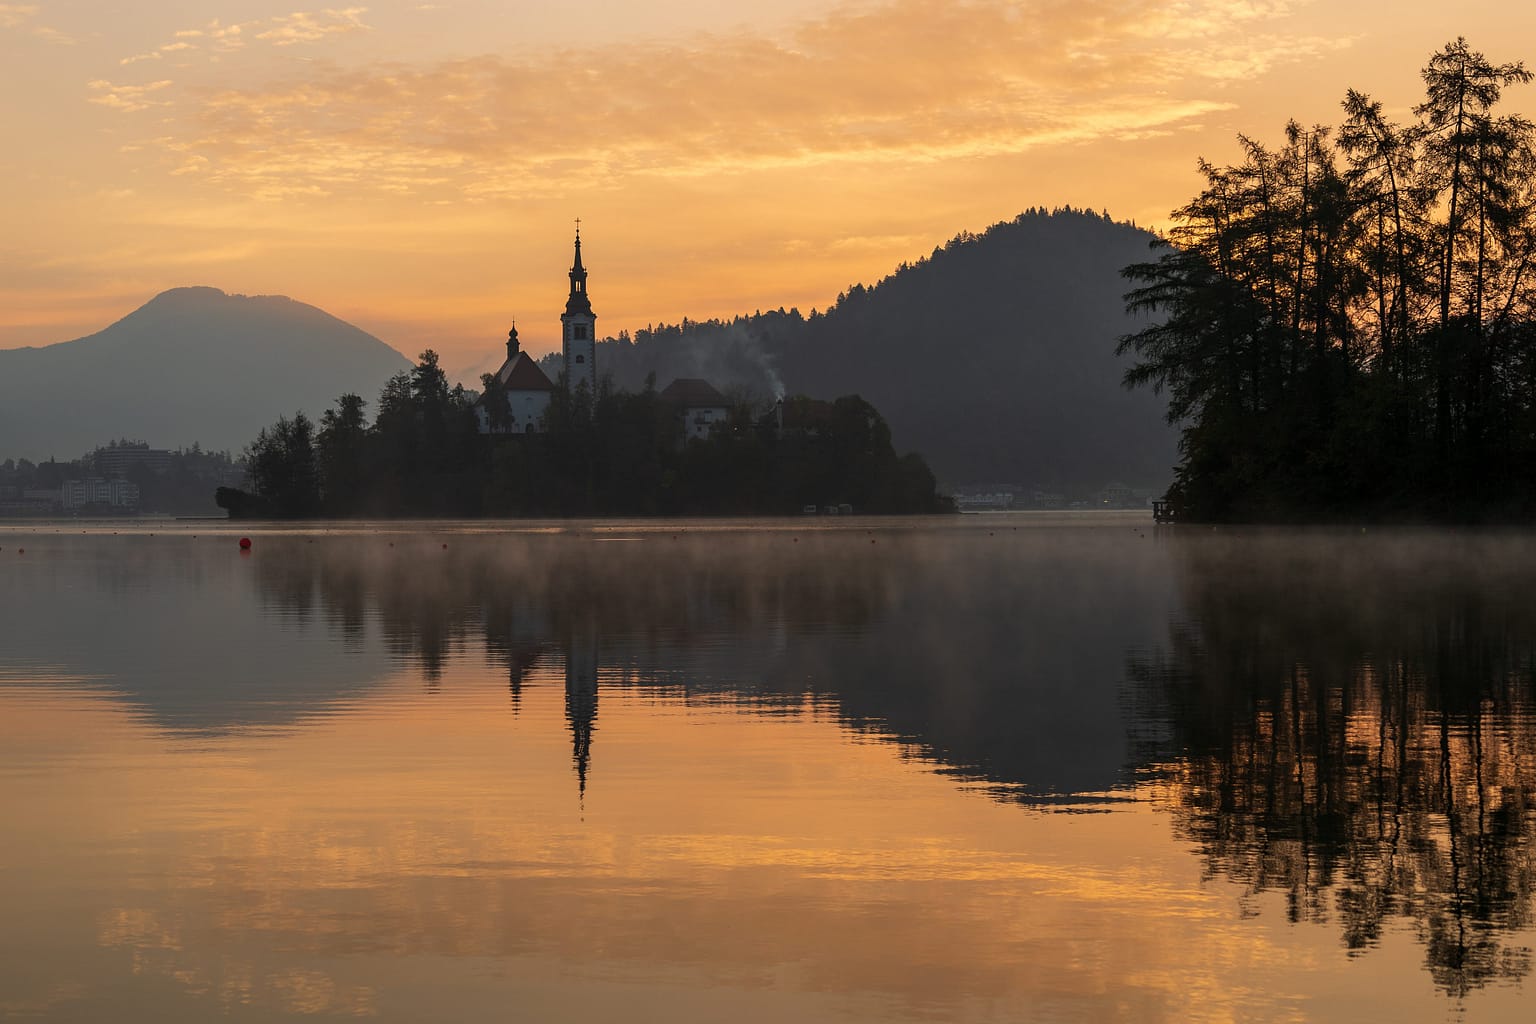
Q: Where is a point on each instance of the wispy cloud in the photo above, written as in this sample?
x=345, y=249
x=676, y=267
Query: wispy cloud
x=23, y=17
x=910, y=81
x=128, y=98
x=284, y=30
x=16, y=15
x=303, y=27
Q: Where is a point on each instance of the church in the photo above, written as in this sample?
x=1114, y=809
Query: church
x=521, y=394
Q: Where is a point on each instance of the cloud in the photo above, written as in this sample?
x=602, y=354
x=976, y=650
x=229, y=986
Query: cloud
x=19, y=16
x=909, y=81
x=127, y=98
x=175, y=47
x=16, y=15
x=283, y=30
x=53, y=35
x=308, y=28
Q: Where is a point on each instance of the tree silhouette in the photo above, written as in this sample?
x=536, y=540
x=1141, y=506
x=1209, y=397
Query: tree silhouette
x=1345, y=325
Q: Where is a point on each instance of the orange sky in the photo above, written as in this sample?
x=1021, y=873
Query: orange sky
x=415, y=168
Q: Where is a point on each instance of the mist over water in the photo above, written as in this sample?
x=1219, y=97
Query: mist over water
x=977, y=768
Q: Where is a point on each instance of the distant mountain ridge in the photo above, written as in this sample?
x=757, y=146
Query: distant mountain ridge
x=994, y=357
x=192, y=364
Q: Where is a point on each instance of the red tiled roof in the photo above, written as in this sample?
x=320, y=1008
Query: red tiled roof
x=521, y=373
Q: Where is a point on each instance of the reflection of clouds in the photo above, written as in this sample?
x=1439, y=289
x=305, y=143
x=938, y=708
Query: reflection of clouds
x=688, y=867
x=137, y=927
x=909, y=80
x=308, y=991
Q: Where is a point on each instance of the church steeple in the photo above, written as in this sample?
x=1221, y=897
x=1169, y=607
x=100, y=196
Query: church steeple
x=512, y=344
x=578, y=303
x=578, y=329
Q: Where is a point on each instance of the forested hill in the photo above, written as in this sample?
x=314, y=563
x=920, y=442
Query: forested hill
x=994, y=356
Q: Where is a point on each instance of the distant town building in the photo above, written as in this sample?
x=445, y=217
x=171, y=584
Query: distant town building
x=118, y=460
x=30, y=501
x=700, y=407
x=100, y=492
x=523, y=391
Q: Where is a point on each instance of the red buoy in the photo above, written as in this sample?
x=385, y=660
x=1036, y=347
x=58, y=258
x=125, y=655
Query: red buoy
x=245, y=543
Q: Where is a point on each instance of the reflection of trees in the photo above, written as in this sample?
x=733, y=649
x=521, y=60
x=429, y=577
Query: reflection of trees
x=1350, y=722
x=525, y=597
x=981, y=651
x=430, y=601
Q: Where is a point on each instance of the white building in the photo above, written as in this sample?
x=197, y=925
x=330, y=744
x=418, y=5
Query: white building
x=97, y=491
x=524, y=391
x=701, y=407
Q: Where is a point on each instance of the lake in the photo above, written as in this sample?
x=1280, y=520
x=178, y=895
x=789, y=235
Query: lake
x=977, y=768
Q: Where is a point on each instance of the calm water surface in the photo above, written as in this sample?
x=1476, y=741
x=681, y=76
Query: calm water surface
x=978, y=769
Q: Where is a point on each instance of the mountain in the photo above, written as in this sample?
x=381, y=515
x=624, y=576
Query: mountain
x=994, y=356
x=192, y=364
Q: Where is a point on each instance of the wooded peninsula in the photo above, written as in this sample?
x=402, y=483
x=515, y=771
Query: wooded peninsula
x=1345, y=325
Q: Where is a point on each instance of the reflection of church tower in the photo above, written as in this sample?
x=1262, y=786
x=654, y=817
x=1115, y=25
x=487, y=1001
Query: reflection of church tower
x=579, y=329
x=581, y=698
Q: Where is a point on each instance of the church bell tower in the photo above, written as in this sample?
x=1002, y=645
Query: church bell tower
x=579, y=330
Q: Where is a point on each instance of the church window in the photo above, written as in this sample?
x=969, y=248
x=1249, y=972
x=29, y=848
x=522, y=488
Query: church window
x=581, y=359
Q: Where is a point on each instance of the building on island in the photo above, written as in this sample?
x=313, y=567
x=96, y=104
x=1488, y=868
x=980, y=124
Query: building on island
x=516, y=402
x=698, y=404
x=520, y=393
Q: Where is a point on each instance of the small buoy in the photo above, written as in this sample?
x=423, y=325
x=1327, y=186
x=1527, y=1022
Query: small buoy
x=21, y=551
x=445, y=547
x=245, y=543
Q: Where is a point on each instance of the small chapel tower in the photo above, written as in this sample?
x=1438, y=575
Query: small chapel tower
x=579, y=329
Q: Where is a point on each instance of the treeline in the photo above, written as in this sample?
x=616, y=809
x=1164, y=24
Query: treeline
x=615, y=453
x=1346, y=323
